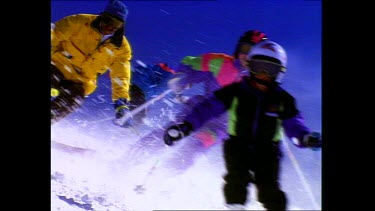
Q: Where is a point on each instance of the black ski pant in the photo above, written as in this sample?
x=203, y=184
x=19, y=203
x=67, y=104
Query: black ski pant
x=259, y=165
x=70, y=97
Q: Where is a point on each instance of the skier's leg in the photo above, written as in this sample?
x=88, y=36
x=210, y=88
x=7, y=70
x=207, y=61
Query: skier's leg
x=238, y=176
x=267, y=179
x=70, y=96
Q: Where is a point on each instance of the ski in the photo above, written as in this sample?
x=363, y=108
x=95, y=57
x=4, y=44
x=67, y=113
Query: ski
x=70, y=149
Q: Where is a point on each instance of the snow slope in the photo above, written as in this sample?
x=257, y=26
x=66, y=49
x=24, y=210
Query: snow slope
x=99, y=166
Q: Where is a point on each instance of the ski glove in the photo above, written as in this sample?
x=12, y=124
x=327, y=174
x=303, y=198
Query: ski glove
x=122, y=111
x=177, y=132
x=312, y=140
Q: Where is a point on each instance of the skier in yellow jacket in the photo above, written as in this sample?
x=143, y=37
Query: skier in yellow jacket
x=84, y=46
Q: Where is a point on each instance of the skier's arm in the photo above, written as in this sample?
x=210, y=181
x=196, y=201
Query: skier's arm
x=212, y=107
x=296, y=129
x=204, y=111
x=121, y=73
x=201, y=113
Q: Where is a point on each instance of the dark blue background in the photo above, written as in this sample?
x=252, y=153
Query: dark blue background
x=166, y=31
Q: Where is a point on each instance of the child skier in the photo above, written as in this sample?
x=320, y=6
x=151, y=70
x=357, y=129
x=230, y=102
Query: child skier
x=262, y=108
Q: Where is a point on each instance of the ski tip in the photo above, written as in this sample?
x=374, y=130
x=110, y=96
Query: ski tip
x=70, y=149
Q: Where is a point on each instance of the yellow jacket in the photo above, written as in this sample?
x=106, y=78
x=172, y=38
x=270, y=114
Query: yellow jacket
x=76, y=50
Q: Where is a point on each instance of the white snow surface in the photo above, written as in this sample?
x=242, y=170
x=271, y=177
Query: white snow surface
x=99, y=167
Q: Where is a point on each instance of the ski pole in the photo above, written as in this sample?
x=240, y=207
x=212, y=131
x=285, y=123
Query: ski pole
x=136, y=110
x=300, y=175
x=142, y=107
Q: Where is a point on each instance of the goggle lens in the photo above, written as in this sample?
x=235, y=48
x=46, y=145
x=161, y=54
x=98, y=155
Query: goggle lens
x=107, y=20
x=263, y=67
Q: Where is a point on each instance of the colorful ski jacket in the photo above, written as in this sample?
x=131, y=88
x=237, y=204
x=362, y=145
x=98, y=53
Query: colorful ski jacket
x=222, y=67
x=215, y=70
x=77, y=51
x=261, y=117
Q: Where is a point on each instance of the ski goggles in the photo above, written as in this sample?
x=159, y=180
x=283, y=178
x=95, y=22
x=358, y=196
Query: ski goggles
x=108, y=20
x=264, y=67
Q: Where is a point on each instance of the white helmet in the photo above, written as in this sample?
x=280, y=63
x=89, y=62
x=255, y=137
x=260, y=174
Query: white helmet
x=270, y=49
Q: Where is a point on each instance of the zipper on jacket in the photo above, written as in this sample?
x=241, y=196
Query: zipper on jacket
x=257, y=112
